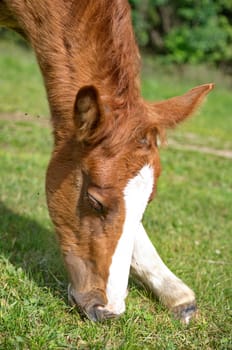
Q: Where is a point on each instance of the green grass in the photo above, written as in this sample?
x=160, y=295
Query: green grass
x=213, y=125
x=190, y=223
x=20, y=82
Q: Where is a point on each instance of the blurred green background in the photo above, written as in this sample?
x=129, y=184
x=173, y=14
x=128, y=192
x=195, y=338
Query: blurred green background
x=184, y=30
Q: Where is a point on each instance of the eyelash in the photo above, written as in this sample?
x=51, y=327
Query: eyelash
x=95, y=204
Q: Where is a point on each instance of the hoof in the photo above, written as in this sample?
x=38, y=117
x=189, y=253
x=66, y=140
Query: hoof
x=185, y=312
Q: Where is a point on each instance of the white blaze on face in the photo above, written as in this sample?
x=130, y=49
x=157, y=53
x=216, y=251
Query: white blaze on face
x=136, y=196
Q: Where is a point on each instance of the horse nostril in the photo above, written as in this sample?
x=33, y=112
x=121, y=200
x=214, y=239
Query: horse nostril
x=94, y=314
x=94, y=309
x=100, y=313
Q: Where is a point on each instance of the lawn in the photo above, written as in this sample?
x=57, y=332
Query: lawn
x=190, y=223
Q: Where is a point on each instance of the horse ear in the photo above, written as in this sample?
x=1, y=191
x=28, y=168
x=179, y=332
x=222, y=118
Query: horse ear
x=170, y=112
x=87, y=112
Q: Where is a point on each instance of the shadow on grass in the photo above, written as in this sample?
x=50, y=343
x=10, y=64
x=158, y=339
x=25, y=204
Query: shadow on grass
x=33, y=247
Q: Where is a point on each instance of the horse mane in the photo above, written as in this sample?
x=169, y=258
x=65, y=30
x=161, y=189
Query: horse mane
x=108, y=37
x=88, y=42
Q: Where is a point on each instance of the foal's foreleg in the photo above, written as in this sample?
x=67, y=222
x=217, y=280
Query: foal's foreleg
x=150, y=269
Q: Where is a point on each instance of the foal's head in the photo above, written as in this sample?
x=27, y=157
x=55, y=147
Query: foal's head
x=99, y=182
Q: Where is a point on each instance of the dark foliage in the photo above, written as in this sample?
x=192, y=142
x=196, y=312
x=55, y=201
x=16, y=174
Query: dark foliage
x=185, y=30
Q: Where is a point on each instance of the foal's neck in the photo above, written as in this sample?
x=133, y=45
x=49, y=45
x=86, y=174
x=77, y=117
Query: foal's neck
x=82, y=43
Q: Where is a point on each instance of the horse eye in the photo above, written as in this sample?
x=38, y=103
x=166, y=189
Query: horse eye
x=95, y=204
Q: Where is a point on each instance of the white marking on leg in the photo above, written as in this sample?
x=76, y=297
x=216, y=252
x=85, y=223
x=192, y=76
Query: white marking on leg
x=150, y=269
x=136, y=195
